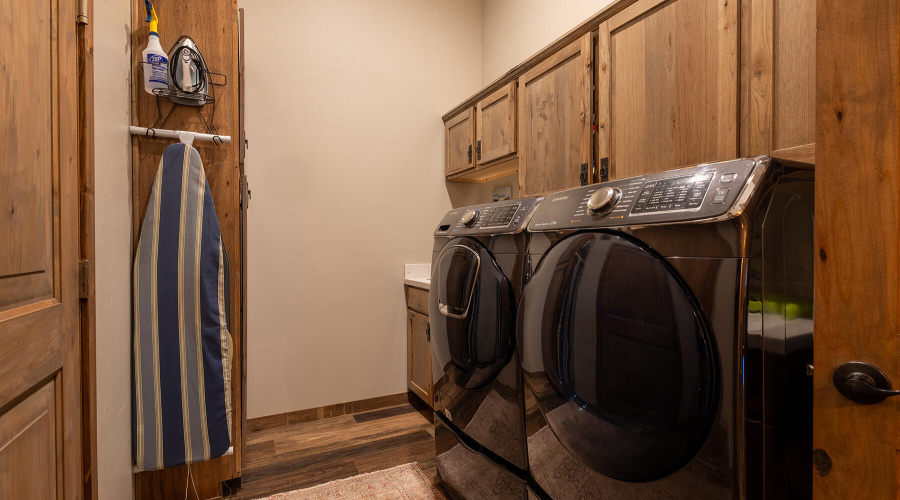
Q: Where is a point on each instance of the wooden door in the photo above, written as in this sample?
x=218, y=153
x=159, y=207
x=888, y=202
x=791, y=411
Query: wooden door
x=40, y=351
x=857, y=280
x=495, y=134
x=459, y=132
x=419, y=356
x=555, y=121
x=667, y=85
x=778, y=64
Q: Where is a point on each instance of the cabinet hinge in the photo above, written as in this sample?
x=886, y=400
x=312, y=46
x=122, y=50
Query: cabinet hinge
x=604, y=169
x=428, y=332
x=82, y=17
x=470, y=154
x=478, y=151
x=584, y=174
x=84, y=279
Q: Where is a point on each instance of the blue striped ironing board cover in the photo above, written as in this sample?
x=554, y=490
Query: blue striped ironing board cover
x=181, y=370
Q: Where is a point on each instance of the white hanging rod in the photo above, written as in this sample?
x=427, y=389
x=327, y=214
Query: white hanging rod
x=183, y=136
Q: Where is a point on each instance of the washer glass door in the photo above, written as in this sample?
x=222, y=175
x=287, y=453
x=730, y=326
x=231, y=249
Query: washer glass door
x=618, y=355
x=472, y=314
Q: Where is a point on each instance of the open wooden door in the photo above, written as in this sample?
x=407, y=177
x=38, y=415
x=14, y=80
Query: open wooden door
x=40, y=356
x=857, y=289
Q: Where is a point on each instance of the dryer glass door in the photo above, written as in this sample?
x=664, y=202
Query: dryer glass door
x=618, y=355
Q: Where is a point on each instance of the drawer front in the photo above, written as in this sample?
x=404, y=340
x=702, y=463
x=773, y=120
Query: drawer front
x=417, y=299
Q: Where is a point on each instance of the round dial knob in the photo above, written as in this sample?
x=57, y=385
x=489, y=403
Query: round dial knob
x=603, y=201
x=470, y=218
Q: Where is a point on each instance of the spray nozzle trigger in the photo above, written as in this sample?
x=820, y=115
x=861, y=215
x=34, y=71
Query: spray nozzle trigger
x=149, y=7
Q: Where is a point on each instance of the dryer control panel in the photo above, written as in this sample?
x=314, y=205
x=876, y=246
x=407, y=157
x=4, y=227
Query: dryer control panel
x=500, y=217
x=706, y=191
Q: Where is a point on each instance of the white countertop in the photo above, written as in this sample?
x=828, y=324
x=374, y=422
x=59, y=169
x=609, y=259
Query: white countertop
x=417, y=275
x=423, y=283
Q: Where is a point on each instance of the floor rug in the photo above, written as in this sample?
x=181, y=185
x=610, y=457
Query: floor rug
x=405, y=482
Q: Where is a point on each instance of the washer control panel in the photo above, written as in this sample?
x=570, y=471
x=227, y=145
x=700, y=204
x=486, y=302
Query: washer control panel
x=694, y=193
x=509, y=216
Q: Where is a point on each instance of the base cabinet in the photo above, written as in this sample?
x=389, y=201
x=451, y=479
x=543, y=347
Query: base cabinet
x=418, y=345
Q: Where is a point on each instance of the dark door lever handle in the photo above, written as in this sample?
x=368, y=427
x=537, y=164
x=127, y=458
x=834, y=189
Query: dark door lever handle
x=862, y=383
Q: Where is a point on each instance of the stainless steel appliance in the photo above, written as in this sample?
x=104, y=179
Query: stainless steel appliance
x=479, y=265
x=666, y=332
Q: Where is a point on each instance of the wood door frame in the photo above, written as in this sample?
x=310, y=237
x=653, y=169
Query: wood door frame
x=86, y=245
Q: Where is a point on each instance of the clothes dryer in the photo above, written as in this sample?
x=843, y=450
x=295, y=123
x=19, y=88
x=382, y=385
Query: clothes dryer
x=666, y=335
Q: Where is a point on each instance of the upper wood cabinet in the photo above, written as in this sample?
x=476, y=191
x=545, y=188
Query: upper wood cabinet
x=555, y=121
x=495, y=126
x=460, y=136
x=667, y=85
x=778, y=40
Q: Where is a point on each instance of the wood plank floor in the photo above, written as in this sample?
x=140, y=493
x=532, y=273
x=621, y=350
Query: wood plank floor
x=306, y=454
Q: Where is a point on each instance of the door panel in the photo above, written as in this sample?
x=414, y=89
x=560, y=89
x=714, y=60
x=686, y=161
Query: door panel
x=419, y=356
x=496, y=125
x=28, y=442
x=460, y=134
x=26, y=187
x=669, y=74
x=40, y=353
x=555, y=121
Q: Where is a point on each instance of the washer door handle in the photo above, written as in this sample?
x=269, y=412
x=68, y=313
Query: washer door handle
x=862, y=383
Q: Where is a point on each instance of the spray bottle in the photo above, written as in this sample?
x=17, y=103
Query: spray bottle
x=156, y=64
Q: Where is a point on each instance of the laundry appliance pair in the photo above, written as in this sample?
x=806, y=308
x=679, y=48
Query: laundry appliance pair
x=648, y=337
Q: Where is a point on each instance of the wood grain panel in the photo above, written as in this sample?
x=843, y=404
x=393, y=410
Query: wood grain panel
x=213, y=25
x=460, y=142
x=780, y=73
x=857, y=273
x=417, y=299
x=673, y=85
x=495, y=130
x=29, y=440
x=26, y=154
x=554, y=120
x=794, y=97
x=40, y=342
x=418, y=343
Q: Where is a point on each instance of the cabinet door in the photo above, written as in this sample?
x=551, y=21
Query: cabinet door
x=555, y=120
x=460, y=134
x=780, y=39
x=495, y=119
x=418, y=342
x=667, y=85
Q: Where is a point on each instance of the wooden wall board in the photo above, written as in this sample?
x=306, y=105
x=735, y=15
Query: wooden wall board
x=213, y=26
x=857, y=265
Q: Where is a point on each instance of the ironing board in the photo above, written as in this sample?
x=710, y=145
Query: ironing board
x=181, y=366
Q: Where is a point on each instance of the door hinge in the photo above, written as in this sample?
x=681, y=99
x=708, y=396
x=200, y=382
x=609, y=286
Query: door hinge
x=82, y=17
x=478, y=151
x=428, y=332
x=84, y=279
x=584, y=174
x=470, y=154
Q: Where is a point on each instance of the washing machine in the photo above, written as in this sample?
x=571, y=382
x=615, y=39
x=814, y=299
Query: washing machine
x=479, y=265
x=666, y=335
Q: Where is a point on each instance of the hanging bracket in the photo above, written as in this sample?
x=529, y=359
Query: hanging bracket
x=82, y=17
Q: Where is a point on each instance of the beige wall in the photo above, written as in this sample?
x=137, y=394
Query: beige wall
x=514, y=30
x=112, y=171
x=345, y=163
